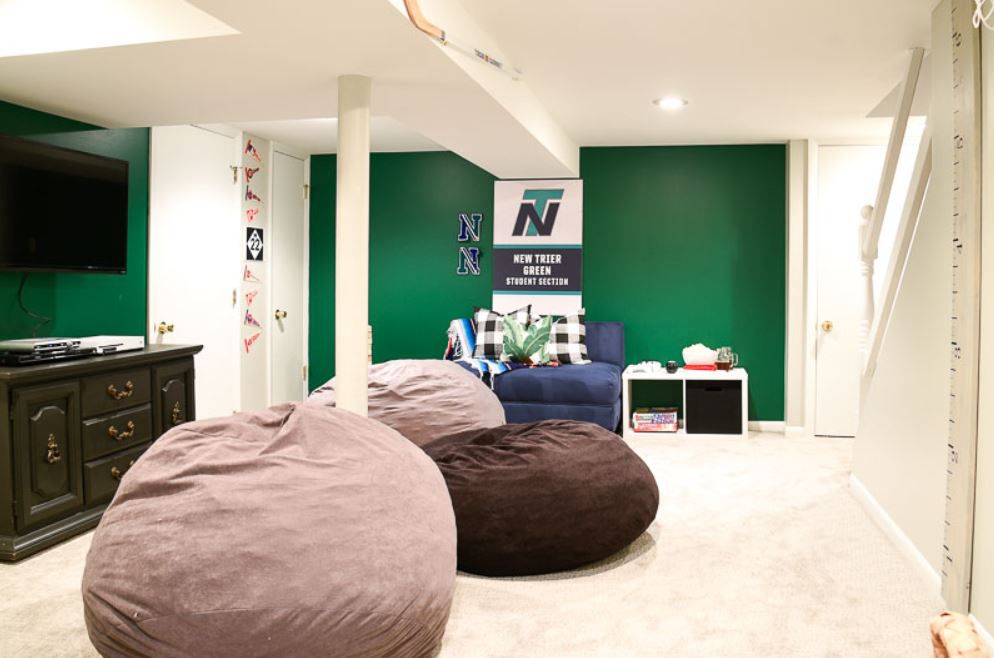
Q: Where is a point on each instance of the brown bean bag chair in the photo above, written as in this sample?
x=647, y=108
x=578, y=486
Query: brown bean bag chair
x=296, y=531
x=425, y=399
x=542, y=497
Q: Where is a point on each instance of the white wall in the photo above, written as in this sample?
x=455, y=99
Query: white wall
x=900, y=452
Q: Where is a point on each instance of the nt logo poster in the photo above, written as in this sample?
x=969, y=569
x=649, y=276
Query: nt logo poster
x=537, y=213
x=538, y=245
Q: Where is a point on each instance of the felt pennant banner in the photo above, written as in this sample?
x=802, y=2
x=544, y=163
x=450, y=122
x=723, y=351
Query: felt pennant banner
x=252, y=151
x=251, y=341
x=255, y=310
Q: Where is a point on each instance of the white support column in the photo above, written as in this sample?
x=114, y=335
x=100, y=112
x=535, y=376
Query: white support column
x=352, y=245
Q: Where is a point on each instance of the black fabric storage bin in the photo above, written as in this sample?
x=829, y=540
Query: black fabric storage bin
x=713, y=407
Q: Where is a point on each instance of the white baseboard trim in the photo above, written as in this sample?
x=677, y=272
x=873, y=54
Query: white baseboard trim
x=795, y=431
x=770, y=426
x=893, y=531
x=987, y=638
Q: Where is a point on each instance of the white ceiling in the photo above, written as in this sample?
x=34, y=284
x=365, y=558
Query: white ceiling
x=752, y=70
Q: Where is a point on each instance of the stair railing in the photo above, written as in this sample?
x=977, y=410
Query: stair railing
x=874, y=321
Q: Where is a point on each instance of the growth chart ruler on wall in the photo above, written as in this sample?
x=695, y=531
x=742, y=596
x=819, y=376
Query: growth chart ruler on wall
x=961, y=461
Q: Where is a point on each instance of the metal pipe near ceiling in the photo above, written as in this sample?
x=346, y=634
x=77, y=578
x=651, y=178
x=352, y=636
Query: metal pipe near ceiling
x=419, y=21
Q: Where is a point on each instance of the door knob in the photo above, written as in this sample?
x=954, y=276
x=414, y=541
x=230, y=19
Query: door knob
x=280, y=314
x=165, y=328
x=827, y=326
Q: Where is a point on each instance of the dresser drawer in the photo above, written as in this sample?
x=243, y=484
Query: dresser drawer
x=101, y=477
x=102, y=436
x=114, y=391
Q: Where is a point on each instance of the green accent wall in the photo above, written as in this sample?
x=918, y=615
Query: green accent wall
x=414, y=291
x=688, y=244
x=82, y=304
x=682, y=244
x=321, y=282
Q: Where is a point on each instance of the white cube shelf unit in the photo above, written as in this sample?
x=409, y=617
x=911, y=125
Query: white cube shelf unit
x=709, y=397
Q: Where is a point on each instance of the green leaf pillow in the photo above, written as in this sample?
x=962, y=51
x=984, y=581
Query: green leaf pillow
x=527, y=344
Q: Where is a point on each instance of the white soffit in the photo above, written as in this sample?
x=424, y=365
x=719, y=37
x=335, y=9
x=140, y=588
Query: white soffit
x=30, y=27
x=320, y=135
x=512, y=93
x=283, y=65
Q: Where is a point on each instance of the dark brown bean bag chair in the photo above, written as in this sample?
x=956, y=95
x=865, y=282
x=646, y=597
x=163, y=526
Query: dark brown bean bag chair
x=542, y=497
x=425, y=399
x=296, y=531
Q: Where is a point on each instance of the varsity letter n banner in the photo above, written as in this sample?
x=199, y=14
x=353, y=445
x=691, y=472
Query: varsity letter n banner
x=538, y=245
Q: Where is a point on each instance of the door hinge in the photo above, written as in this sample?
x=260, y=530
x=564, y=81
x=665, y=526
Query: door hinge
x=234, y=174
x=304, y=369
x=307, y=192
x=234, y=297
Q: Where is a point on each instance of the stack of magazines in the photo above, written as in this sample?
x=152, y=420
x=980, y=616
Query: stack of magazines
x=655, y=419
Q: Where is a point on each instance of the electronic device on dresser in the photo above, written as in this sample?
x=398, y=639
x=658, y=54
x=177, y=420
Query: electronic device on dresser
x=70, y=430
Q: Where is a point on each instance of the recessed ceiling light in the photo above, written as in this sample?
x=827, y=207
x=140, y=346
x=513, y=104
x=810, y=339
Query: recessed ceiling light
x=670, y=103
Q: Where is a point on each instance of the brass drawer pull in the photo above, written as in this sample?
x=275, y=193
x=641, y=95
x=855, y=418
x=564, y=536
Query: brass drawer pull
x=177, y=414
x=129, y=390
x=117, y=473
x=118, y=435
x=54, y=455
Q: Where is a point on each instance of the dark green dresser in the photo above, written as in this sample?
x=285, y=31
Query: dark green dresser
x=71, y=430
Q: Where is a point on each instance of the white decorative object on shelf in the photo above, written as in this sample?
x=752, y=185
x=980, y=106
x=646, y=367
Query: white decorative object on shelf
x=699, y=355
x=983, y=14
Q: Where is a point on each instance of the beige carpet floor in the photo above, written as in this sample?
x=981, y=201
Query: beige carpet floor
x=758, y=550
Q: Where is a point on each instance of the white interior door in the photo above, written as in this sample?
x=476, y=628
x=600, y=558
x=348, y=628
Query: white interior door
x=192, y=273
x=288, y=282
x=847, y=180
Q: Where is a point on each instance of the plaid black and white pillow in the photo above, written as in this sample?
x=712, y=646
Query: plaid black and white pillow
x=568, y=341
x=490, y=331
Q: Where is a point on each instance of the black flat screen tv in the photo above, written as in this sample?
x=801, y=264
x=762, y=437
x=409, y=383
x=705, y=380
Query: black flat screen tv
x=61, y=210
